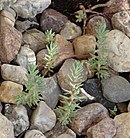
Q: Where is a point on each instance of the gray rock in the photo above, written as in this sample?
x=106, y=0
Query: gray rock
x=13, y=73
x=121, y=21
x=6, y=127
x=123, y=125
x=35, y=39
x=116, y=89
x=30, y=8
x=51, y=92
x=43, y=118
x=18, y=116
x=6, y=3
x=104, y=129
x=25, y=57
x=7, y=16
x=92, y=87
x=117, y=44
x=51, y=19
x=71, y=31
x=10, y=42
x=88, y=116
x=9, y=90
x=65, y=72
x=22, y=26
x=34, y=134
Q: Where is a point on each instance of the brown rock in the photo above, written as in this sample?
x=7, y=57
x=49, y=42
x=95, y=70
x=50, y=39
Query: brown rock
x=123, y=125
x=122, y=107
x=65, y=72
x=88, y=116
x=83, y=45
x=51, y=19
x=35, y=39
x=94, y=24
x=65, y=49
x=116, y=6
x=8, y=91
x=10, y=42
x=104, y=129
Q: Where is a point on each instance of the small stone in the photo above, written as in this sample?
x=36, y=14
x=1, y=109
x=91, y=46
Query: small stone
x=68, y=134
x=10, y=42
x=51, y=19
x=51, y=92
x=88, y=116
x=25, y=57
x=92, y=87
x=9, y=90
x=123, y=125
x=7, y=16
x=13, y=73
x=18, y=116
x=104, y=129
x=30, y=8
x=65, y=72
x=6, y=3
x=116, y=89
x=35, y=39
x=122, y=107
x=94, y=23
x=34, y=134
x=43, y=118
x=71, y=31
x=83, y=45
x=117, y=44
x=121, y=22
x=22, y=26
x=64, y=50
x=6, y=128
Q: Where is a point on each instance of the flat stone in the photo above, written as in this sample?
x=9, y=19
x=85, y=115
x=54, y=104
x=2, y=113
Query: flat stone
x=82, y=46
x=25, y=57
x=30, y=8
x=117, y=44
x=17, y=114
x=10, y=42
x=88, y=116
x=116, y=89
x=70, y=31
x=35, y=39
x=51, y=92
x=123, y=125
x=9, y=90
x=14, y=73
x=51, y=19
x=43, y=118
x=34, y=134
x=6, y=128
x=104, y=129
x=65, y=72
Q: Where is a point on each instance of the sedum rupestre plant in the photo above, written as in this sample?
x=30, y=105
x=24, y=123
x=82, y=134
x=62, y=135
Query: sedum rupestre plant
x=34, y=86
x=50, y=57
x=98, y=62
x=69, y=98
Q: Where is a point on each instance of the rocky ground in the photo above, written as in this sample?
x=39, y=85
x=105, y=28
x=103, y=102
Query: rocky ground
x=23, y=24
